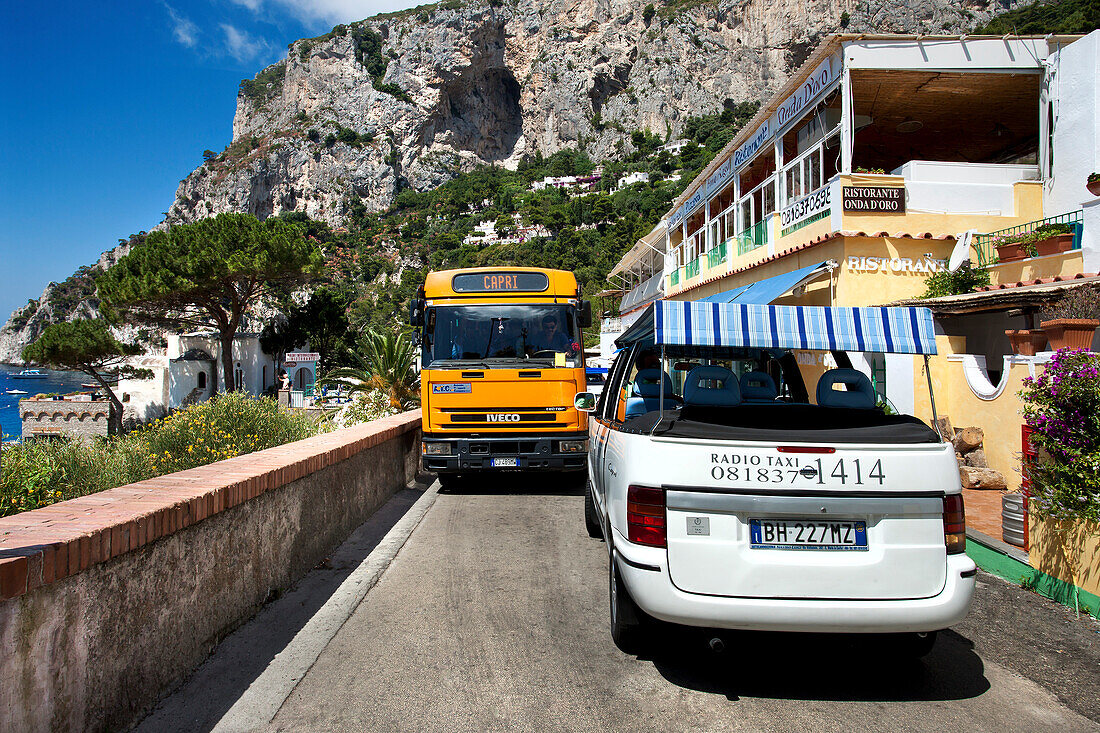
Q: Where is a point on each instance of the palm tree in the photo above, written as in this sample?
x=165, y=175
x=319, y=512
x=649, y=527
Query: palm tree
x=386, y=365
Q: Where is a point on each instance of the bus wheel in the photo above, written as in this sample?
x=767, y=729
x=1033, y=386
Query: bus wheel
x=449, y=481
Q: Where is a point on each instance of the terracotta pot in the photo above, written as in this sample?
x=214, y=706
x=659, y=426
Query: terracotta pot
x=1027, y=342
x=1093, y=187
x=1070, y=333
x=1010, y=252
x=1054, y=245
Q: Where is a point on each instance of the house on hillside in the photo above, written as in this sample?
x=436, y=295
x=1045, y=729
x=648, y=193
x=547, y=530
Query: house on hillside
x=191, y=367
x=673, y=147
x=630, y=179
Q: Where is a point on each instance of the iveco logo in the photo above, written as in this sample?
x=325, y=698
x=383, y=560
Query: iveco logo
x=502, y=417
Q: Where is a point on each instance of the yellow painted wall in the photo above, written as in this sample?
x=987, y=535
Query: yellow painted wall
x=1027, y=195
x=1068, y=552
x=999, y=419
x=1064, y=264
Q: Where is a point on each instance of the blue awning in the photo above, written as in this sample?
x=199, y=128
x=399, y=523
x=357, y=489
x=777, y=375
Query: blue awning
x=767, y=290
x=743, y=325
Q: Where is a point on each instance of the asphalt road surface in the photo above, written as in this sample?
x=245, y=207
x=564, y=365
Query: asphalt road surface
x=493, y=616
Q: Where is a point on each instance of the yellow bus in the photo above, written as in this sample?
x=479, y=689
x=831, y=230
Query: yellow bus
x=502, y=358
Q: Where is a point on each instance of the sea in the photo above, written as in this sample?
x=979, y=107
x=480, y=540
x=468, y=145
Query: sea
x=55, y=382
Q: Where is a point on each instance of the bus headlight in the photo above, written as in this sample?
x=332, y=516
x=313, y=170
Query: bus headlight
x=572, y=446
x=436, y=449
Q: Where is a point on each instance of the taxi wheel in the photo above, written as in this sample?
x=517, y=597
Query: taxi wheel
x=591, y=519
x=626, y=617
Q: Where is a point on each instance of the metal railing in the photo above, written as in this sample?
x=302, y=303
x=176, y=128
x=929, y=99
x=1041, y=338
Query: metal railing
x=691, y=269
x=753, y=237
x=987, y=253
x=717, y=255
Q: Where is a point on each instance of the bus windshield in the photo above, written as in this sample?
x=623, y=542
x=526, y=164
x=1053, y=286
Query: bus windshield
x=501, y=335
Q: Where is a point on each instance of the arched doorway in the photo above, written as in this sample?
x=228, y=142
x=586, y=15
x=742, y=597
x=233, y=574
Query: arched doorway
x=303, y=378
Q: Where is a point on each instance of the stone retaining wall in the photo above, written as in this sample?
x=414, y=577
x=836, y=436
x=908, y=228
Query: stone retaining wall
x=75, y=418
x=107, y=600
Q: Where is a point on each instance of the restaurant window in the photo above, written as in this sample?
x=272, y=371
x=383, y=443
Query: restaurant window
x=806, y=147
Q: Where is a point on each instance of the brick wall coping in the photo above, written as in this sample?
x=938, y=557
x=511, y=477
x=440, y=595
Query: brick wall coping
x=45, y=545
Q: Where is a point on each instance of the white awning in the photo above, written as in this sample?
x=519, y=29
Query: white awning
x=648, y=252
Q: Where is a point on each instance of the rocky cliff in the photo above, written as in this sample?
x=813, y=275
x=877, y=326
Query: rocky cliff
x=413, y=98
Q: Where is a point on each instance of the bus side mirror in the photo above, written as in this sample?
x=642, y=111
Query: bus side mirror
x=416, y=312
x=584, y=317
x=585, y=402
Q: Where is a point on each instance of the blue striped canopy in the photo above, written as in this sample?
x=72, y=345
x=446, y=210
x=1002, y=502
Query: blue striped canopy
x=745, y=325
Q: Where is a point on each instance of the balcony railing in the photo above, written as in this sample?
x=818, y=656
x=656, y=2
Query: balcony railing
x=753, y=237
x=987, y=253
x=717, y=255
x=691, y=269
x=674, y=278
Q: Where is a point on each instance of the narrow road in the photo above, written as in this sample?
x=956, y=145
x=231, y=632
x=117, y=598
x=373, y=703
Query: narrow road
x=493, y=616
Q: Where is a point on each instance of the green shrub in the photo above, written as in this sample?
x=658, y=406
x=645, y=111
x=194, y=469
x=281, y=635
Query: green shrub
x=225, y=426
x=368, y=52
x=964, y=280
x=36, y=473
x=41, y=472
x=267, y=84
x=1062, y=404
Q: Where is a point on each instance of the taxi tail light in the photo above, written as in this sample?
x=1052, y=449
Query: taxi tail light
x=954, y=524
x=645, y=516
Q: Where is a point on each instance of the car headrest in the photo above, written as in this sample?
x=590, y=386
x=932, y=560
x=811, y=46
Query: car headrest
x=758, y=387
x=858, y=391
x=647, y=383
x=726, y=392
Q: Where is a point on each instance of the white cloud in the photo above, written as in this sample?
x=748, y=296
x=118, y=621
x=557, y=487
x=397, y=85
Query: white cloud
x=338, y=11
x=253, y=5
x=183, y=29
x=242, y=46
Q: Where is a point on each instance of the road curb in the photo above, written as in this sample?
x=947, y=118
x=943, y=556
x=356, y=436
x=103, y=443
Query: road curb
x=265, y=696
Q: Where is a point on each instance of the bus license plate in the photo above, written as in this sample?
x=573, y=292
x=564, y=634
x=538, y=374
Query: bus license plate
x=807, y=534
x=505, y=463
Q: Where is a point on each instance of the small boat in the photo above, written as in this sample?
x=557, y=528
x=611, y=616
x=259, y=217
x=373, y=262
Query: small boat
x=16, y=391
x=88, y=385
x=30, y=374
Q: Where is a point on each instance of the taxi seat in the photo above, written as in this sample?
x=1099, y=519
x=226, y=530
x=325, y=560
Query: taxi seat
x=727, y=393
x=758, y=387
x=646, y=392
x=858, y=391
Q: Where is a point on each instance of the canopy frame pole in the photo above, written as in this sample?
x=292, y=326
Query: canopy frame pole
x=660, y=394
x=932, y=398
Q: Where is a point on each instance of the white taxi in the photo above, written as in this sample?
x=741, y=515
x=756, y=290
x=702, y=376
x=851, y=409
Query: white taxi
x=732, y=496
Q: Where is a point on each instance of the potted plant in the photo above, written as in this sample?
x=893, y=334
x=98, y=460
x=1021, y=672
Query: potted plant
x=1071, y=322
x=1052, y=239
x=1028, y=341
x=1012, y=247
x=1093, y=184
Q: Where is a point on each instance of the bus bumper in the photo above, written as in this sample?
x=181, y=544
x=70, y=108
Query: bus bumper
x=540, y=452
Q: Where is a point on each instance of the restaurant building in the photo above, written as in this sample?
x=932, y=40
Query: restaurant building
x=858, y=179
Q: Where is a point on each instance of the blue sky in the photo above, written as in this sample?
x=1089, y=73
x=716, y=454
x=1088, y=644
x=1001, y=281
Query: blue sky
x=106, y=106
